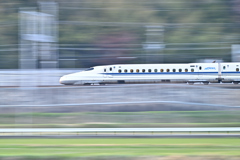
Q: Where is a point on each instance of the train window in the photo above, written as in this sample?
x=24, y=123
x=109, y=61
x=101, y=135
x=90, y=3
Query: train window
x=110, y=68
x=104, y=69
x=143, y=70
x=180, y=70
x=224, y=67
x=186, y=70
x=174, y=70
x=192, y=70
x=237, y=69
x=89, y=69
x=168, y=70
x=137, y=70
x=119, y=71
x=162, y=70
x=155, y=70
x=200, y=68
x=125, y=70
x=131, y=70
x=149, y=70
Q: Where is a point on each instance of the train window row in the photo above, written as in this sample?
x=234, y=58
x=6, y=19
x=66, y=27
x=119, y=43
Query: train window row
x=237, y=69
x=155, y=70
x=150, y=70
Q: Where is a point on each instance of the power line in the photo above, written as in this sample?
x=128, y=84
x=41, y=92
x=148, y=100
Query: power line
x=120, y=49
x=140, y=24
x=146, y=2
x=145, y=8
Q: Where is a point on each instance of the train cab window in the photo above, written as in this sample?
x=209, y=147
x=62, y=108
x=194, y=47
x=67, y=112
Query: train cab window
x=137, y=70
x=237, y=69
x=155, y=70
x=143, y=70
x=131, y=70
x=200, y=68
x=180, y=70
x=192, y=70
x=168, y=70
x=105, y=70
x=224, y=67
x=89, y=69
x=174, y=70
x=186, y=70
x=149, y=70
x=162, y=70
x=110, y=68
x=119, y=71
x=125, y=70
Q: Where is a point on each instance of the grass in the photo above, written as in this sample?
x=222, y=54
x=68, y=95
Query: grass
x=95, y=148
x=123, y=119
x=120, y=147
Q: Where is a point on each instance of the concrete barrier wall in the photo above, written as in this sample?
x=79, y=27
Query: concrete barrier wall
x=124, y=97
x=31, y=77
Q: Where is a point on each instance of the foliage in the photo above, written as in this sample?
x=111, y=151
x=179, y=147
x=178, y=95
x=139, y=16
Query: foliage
x=193, y=24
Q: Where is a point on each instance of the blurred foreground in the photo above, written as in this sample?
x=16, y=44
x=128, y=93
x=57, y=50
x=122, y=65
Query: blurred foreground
x=34, y=99
x=127, y=149
x=36, y=35
x=127, y=105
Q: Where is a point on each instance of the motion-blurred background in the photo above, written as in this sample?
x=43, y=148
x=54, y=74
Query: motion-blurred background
x=76, y=34
x=83, y=33
x=40, y=41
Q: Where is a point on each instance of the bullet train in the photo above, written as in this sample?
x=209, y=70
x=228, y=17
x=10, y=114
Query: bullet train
x=156, y=73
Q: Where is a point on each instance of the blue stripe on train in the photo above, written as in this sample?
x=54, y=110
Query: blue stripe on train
x=230, y=72
x=171, y=73
x=161, y=73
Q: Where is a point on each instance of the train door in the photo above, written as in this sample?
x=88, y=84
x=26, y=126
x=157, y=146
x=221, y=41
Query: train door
x=220, y=70
x=199, y=70
x=105, y=73
x=208, y=72
x=109, y=72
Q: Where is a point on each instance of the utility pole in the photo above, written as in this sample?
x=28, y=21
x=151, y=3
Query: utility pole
x=154, y=43
x=38, y=32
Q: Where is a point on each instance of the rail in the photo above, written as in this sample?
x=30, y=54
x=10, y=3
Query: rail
x=79, y=130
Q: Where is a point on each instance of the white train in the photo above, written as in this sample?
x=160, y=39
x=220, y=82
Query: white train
x=155, y=73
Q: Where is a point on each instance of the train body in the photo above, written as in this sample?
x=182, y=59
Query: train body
x=156, y=73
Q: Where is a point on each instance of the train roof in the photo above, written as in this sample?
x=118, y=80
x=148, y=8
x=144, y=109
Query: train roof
x=165, y=64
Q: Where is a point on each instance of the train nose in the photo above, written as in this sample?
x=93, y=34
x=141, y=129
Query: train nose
x=61, y=80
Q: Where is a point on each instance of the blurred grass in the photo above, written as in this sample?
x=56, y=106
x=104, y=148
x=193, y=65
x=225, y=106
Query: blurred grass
x=124, y=158
x=123, y=119
x=130, y=147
